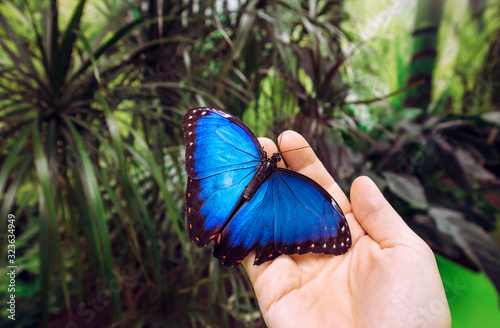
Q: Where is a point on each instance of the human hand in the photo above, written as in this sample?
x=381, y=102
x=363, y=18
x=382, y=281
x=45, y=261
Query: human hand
x=389, y=277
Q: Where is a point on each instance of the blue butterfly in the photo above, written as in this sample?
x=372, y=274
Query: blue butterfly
x=238, y=197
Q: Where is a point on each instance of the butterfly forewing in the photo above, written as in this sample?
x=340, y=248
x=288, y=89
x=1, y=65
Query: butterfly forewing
x=217, y=142
x=218, y=171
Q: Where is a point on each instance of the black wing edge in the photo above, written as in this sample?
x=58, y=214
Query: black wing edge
x=194, y=219
x=231, y=255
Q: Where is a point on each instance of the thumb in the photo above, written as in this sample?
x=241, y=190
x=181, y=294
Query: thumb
x=377, y=217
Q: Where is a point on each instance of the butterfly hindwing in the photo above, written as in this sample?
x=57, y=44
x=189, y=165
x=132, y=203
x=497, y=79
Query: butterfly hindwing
x=289, y=214
x=221, y=158
x=251, y=228
x=309, y=218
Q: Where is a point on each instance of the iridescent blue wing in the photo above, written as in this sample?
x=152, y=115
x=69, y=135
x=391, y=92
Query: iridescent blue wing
x=221, y=158
x=252, y=227
x=289, y=214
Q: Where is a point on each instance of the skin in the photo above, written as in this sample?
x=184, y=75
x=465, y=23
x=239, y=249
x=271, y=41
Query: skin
x=389, y=277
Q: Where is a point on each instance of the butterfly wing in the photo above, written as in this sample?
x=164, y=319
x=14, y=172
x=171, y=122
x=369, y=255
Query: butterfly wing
x=252, y=227
x=221, y=158
x=311, y=220
x=289, y=214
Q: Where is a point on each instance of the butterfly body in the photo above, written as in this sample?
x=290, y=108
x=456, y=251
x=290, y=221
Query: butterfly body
x=264, y=170
x=242, y=200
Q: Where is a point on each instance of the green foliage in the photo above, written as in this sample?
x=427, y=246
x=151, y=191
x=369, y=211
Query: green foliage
x=93, y=171
x=464, y=43
x=91, y=100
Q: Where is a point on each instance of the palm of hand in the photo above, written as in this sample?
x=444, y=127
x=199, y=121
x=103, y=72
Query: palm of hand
x=389, y=276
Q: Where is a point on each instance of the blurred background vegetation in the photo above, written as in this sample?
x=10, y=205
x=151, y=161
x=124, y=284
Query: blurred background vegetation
x=92, y=94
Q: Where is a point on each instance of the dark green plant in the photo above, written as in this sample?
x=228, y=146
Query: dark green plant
x=442, y=177
x=52, y=135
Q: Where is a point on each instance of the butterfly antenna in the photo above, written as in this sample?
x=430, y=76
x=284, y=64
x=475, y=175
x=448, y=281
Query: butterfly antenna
x=280, y=138
x=289, y=150
x=280, y=152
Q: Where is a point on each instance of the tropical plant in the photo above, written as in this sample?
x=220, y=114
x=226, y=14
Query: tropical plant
x=52, y=136
x=82, y=152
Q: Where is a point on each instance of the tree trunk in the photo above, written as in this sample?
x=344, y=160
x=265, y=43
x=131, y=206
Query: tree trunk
x=422, y=62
